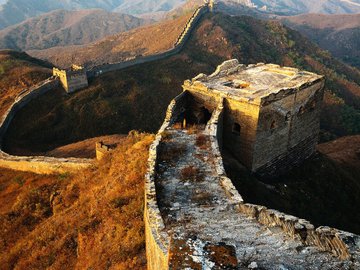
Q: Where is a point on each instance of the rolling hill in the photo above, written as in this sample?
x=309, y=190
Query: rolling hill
x=16, y=11
x=339, y=34
x=18, y=71
x=94, y=220
x=136, y=98
x=143, y=41
x=61, y=27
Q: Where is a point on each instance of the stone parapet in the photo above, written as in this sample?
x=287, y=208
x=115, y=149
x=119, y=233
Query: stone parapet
x=40, y=164
x=157, y=239
x=342, y=244
x=214, y=132
x=22, y=99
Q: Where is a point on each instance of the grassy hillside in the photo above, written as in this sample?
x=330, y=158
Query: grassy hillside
x=18, y=71
x=90, y=220
x=142, y=41
x=136, y=98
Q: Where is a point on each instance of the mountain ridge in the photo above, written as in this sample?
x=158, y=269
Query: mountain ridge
x=218, y=37
x=62, y=27
x=15, y=11
x=138, y=42
x=339, y=34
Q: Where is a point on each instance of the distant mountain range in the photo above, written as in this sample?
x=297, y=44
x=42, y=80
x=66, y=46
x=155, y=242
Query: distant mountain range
x=309, y=6
x=339, y=34
x=16, y=11
x=61, y=27
x=141, y=41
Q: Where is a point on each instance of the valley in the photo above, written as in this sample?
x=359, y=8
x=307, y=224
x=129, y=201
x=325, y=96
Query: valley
x=17, y=11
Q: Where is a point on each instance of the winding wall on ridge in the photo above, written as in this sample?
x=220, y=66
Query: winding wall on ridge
x=36, y=164
x=178, y=46
x=49, y=164
x=323, y=242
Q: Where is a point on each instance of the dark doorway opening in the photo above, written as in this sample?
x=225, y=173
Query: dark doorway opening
x=236, y=129
x=204, y=116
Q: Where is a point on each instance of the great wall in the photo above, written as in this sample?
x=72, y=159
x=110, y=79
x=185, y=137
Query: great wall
x=43, y=164
x=200, y=221
x=36, y=164
x=178, y=46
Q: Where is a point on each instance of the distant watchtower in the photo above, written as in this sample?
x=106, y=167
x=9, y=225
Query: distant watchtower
x=72, y=79
x=210, y=4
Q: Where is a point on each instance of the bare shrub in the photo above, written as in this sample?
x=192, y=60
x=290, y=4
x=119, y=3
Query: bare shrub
x=202, y=141
x=166, y=135
x=192, y=129
x=177, y=125
x=203, y=198
x=172, y=153
x=191, y=173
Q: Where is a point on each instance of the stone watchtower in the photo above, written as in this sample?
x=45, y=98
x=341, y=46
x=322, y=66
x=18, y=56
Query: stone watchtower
x=72, y=79
x=210, y=4
x=272, y=114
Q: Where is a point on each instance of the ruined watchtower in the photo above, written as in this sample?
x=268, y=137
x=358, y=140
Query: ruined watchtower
x=210, y=4
x=272, y=113
x=72, y=79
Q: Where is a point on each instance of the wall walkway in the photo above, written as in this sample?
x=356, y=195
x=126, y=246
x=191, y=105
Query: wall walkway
x=198, y=220
x=50, y=165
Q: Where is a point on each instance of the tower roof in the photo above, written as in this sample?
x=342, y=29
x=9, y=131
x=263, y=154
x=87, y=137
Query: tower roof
x=252, y=83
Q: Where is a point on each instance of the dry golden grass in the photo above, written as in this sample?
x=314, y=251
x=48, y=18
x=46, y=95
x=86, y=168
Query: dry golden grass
x=92, y=220
x=202, y=141
x=189, y=173
x=17, y=72
x=142, y=41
